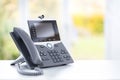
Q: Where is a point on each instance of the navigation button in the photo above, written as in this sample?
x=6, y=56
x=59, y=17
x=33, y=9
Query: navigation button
x=49, y=46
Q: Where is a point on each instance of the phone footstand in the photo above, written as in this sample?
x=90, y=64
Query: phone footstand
x=20, y=59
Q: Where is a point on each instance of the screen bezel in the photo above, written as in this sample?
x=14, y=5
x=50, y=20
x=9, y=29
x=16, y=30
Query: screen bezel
x=43, y=39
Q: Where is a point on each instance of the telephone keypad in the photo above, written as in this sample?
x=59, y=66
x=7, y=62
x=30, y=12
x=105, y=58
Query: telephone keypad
x=55, y=57
x=58, y=55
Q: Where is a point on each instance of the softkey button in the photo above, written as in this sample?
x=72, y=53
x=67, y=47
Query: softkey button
x=56, y=45
x=63, y=51
x=67, y=57
x=45, y=59
x=41, y=46
x=42, y=53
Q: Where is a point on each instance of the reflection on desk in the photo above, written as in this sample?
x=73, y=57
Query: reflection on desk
x=82, y=69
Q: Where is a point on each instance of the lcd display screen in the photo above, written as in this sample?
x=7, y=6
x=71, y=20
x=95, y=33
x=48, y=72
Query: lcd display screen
x=44, y=30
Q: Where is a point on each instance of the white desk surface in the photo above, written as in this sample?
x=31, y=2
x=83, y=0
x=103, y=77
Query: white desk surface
x=80, y=70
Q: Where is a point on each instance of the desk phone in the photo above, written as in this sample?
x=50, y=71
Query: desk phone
x=42, y=49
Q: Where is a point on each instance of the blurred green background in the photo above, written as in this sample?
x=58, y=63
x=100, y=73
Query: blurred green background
x=7, y=49
x=90, y=26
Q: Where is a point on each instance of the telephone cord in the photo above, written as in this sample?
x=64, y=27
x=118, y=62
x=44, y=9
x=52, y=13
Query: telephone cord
x=24, y=70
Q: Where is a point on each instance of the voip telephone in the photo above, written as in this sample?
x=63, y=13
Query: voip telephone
x=43, y=49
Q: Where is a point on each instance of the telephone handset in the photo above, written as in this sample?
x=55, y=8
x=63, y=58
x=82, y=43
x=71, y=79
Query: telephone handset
x=28, y=50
